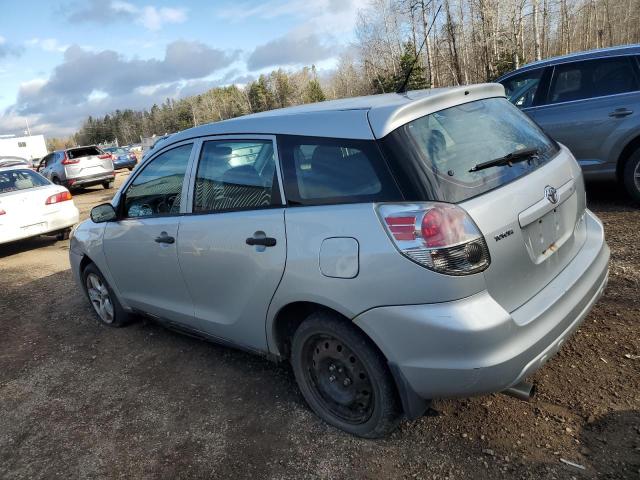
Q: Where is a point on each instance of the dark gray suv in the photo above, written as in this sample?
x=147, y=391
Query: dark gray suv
x=589, y=101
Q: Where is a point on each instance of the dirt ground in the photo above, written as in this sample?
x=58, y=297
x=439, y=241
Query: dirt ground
x=78, y=400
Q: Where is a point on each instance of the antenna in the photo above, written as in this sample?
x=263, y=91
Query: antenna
x=403, y=87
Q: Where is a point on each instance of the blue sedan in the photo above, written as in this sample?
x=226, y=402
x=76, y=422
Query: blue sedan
x=122, y=158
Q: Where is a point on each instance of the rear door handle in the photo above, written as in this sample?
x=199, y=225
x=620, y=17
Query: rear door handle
x=620, y=112
x=265, y=242
x=164, y=238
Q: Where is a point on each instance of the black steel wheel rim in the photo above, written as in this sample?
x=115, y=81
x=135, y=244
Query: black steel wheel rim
x=338, y=379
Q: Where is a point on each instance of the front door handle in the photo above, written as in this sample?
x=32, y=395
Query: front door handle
x=265, y=242
x=620, y=112
x=164, y=238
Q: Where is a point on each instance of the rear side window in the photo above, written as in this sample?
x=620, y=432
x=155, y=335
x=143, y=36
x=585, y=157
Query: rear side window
x=433, y=156
x=83, y=152
x=593, y=78
x=521, y=89
x=321, y=171
x=234, y=175
x=14, y=180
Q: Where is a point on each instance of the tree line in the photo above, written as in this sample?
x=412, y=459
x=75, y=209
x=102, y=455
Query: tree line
x=427, y=43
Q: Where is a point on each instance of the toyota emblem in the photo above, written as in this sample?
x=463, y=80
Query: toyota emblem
x=551, y=194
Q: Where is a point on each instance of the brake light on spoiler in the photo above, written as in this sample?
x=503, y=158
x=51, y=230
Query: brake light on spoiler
x=439, y=236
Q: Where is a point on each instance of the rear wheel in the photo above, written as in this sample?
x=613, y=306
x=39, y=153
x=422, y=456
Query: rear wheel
x=108, y=184
x=343, y=377
x=130, y=168
x=55, y=181
x=104, y=302
x=632, y=175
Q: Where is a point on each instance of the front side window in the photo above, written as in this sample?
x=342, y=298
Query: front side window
x=320, y=171
x=157, y=189
x=521, y=89
x=435, y=156
x=14, y=180
x=235, y=175
x=592, y=78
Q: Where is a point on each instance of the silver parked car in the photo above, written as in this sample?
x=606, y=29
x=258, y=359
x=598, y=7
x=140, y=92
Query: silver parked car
x=78, y=167
x=393, y=248
x=590, y=102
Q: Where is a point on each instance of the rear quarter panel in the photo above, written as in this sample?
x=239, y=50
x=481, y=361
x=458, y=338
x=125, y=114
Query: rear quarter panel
x=385, y=277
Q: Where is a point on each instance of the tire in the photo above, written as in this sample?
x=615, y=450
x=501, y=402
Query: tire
x=55, y=181
x=130, y=169
x=63, y=235
x=107, y=185
x=343, y=377
x=98, y=291
x=631, y=175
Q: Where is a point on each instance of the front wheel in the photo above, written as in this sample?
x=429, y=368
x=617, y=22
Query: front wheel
x=632, y=175
x=104, y=302
x=343, y=377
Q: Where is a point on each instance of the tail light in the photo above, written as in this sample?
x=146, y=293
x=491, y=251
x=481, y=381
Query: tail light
x=58, y=197
x=439, y=236
x=69, y=161
x=105, y=156
x=2, y=212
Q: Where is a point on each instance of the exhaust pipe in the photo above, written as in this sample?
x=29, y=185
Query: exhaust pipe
x=522, y=391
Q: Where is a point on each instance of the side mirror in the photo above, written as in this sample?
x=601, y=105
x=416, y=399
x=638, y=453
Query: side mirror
x=103, y=213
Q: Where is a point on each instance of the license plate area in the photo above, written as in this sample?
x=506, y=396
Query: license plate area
x=546, y=235
x=35, y=228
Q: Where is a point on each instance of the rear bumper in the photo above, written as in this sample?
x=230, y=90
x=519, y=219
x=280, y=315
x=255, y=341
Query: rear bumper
x=124, y=164
x=473, y=346
x=89, y=180
x=65, y=217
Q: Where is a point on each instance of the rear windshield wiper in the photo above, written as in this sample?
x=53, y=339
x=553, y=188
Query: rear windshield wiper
x=509, y=159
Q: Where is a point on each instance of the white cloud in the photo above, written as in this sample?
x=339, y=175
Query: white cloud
x=123, y=7
x=110, y=11
x=336, y=16
x=47, y=44
x=153, y=18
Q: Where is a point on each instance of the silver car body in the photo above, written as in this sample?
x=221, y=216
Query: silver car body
x=442, y=335
x=83, y=170
x=600, y=131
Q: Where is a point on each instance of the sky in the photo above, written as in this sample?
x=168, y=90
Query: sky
x=61, y=61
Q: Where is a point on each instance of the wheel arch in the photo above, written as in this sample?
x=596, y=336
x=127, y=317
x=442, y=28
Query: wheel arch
x=84, y=262
x=287, y=320
x=627, y=151
x=291, y=316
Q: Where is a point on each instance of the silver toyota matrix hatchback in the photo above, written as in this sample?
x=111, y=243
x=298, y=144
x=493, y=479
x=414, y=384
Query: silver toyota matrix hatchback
x=394, y=248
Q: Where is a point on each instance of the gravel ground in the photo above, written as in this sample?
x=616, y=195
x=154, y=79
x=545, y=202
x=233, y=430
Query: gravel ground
x=81, y=400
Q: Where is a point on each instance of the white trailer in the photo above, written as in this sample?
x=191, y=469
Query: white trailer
x=29, y=147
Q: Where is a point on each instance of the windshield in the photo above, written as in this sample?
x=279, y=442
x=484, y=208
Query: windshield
x=433, y=155
x=13, y=180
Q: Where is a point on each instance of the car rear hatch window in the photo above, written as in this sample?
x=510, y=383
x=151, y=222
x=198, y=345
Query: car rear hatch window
x=530, y=209
x=434, y=156
x=83, y=152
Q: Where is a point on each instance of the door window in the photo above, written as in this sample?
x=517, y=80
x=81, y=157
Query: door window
x=157, y=190
x=320, y=171
x=234, y=175
x=521, y=89
x=593, y=78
